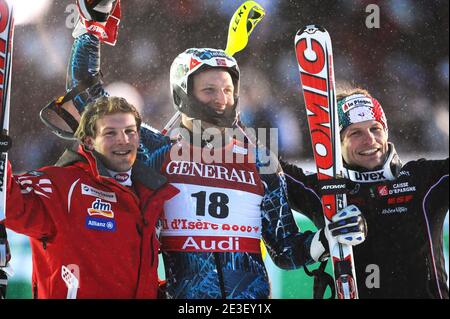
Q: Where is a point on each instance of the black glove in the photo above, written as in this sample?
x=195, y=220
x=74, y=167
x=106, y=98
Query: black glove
x=322, y=280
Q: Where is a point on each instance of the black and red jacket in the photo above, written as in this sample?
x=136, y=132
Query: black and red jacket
x=405, y=207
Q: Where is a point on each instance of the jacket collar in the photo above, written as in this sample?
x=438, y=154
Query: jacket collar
x=389, y=171
x=140, y=172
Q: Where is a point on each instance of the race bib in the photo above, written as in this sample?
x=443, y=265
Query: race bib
x=205, y=218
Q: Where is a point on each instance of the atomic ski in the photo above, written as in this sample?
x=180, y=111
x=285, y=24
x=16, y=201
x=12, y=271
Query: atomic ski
x=315, y=60
x=6, y=36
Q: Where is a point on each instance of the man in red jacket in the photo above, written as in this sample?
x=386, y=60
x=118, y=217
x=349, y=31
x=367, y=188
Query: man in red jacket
x=91, y=218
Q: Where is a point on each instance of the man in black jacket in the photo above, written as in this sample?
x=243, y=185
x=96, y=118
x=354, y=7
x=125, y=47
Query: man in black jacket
x=404, y=205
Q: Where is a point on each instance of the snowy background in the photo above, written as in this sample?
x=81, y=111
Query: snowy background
x=404, y=63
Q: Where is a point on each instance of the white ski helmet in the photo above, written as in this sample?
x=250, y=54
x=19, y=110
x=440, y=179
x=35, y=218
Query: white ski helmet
x=193, y=61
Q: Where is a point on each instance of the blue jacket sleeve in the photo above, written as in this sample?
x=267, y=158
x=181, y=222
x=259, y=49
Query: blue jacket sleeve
x=288, y=247
x=153, y=147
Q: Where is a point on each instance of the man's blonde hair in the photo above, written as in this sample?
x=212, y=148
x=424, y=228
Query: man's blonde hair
x=106, y=105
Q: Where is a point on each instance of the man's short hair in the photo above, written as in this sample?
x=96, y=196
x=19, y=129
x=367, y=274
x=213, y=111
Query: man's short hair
x=344, y=91
x=105, y=105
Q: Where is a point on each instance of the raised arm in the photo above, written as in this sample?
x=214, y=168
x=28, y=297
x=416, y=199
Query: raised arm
x=98, y=22
x=84, y=65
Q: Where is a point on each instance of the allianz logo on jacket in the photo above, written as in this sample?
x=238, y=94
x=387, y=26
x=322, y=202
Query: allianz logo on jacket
x=100, y=224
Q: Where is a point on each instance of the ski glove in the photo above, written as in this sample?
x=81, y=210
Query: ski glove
x=347, y=226
x=100, y=18
x=95, y=10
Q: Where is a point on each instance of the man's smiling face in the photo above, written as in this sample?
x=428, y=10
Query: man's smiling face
x=116, y=140
x=364, y=144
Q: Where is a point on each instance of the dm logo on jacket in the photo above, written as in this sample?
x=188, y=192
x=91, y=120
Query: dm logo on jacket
x=104, y=216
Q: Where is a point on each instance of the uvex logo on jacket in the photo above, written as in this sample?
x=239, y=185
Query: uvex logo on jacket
x=367, y=176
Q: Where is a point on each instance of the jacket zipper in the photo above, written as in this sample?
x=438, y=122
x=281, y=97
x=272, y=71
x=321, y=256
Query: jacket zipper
x=152, y=251
x=44, y=242
x=35, y=291
x=141, y=234
x=145, y=222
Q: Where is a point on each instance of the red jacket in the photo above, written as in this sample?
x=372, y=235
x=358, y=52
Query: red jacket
x=78, y=217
